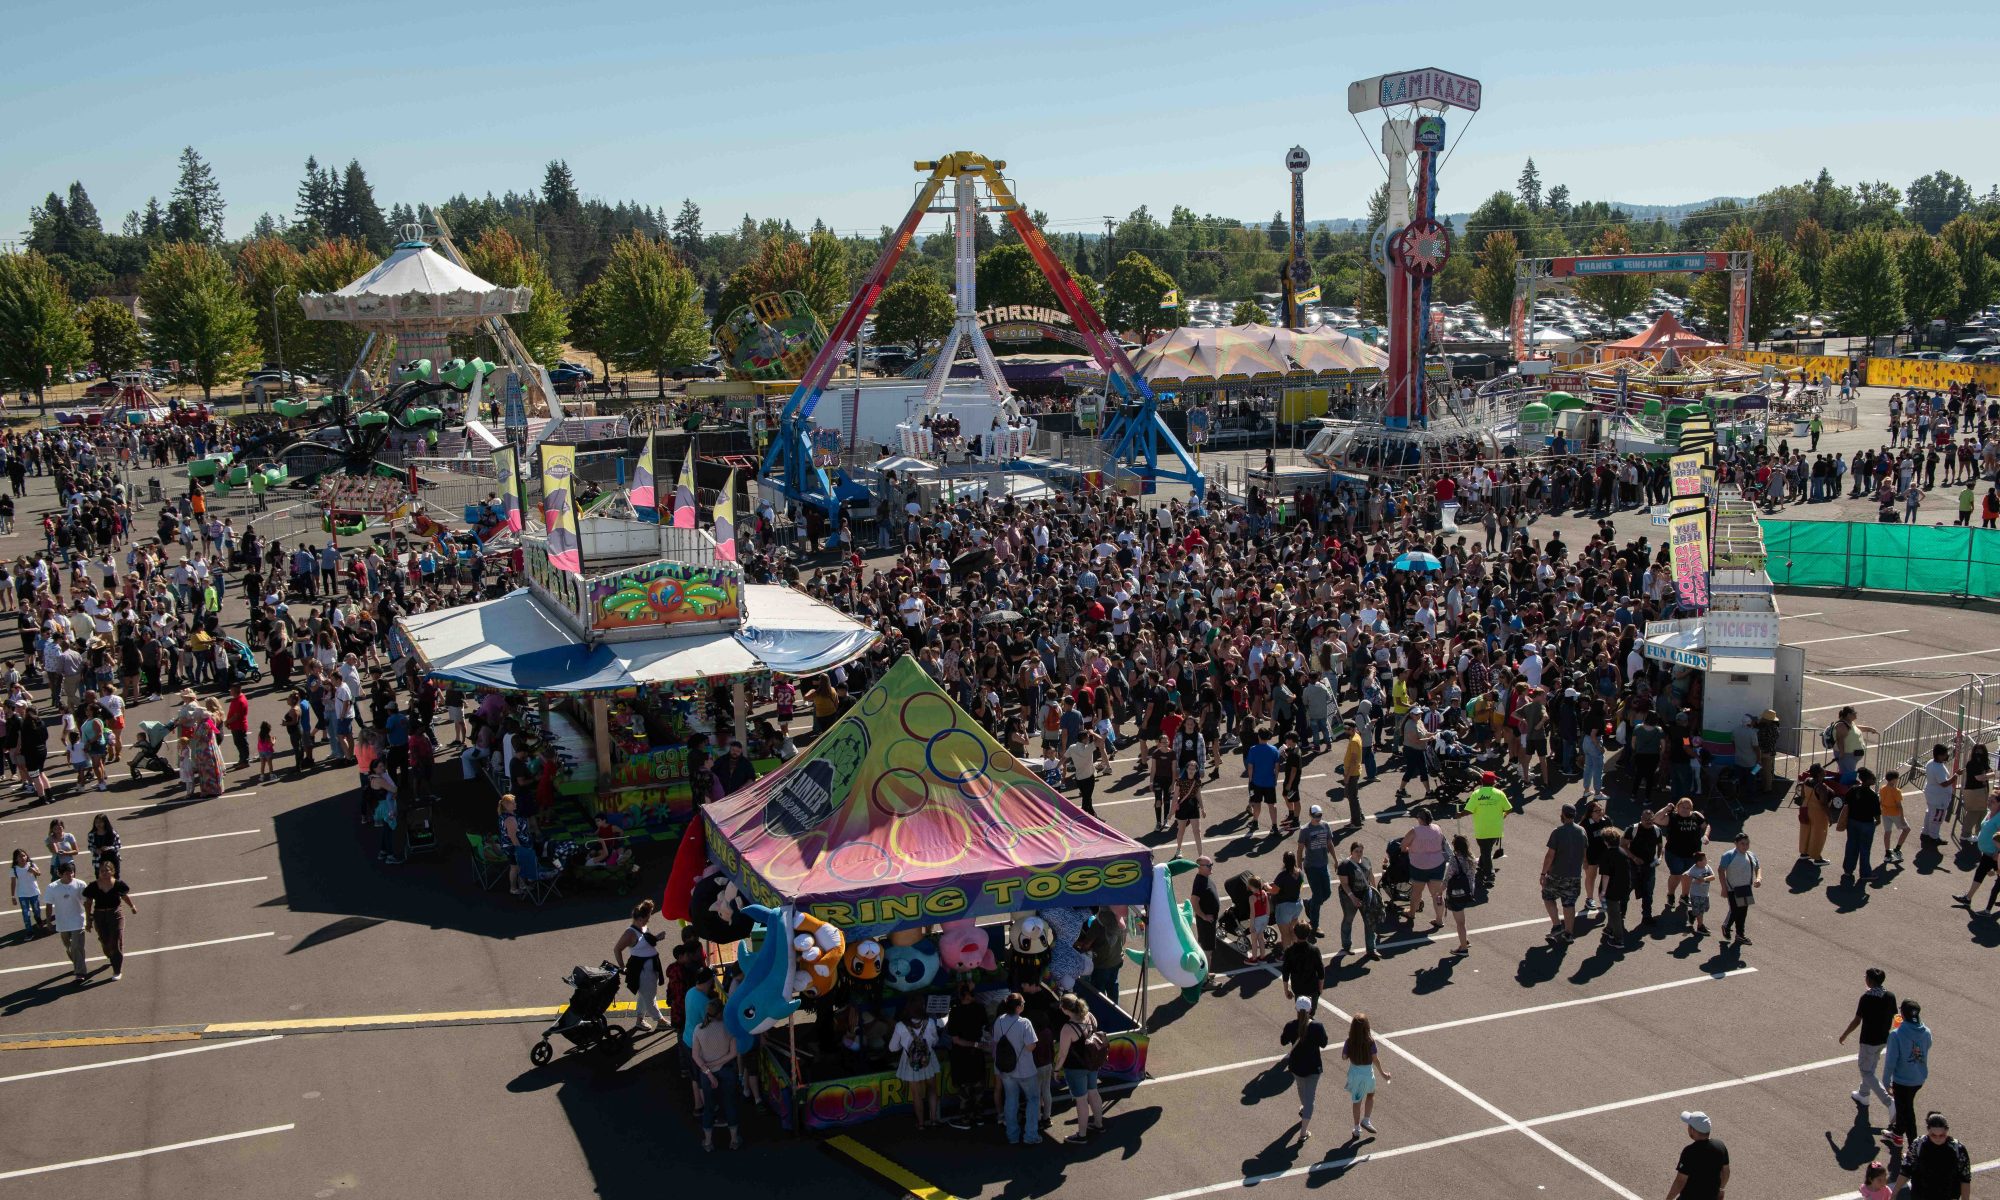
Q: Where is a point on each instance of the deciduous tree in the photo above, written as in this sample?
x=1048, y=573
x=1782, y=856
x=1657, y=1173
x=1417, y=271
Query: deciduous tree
x=40, y=336
x=1864, y=286
x=500, y=257
x=1134, y=296
x=1930, y=277
x=644, y=311
x=1493, y=282
x=197, y=313
x=116, y=341
x=914, y=309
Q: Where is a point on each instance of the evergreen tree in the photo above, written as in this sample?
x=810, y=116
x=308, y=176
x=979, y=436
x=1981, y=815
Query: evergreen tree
x=82, y=213
x=313, y=214
x=687, y=230
x=266, y=226
x=154, y=223
x=357, y=214
x=1529, y=187
x=1278, y=232
x=559, y=188
x=194, y=211
x=1558, y=201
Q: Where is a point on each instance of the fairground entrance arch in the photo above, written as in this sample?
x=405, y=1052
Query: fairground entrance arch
x=1535, y=277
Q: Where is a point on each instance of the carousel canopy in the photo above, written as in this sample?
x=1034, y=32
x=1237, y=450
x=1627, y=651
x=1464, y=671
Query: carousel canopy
x=1667, y=336
x=416, y=284
x=907, y=813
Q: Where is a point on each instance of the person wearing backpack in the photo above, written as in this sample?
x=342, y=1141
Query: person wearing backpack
x=1014, y=1063
x=1306, y=1037
x=1081, y=1048
x=915, y=1043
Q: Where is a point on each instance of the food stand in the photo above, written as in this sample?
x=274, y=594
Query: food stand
x=890, y=840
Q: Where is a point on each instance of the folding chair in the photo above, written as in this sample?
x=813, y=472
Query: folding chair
x=489, y=867
x=539, y=883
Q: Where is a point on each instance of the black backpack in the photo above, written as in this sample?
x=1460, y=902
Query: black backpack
x=918, y=1054
x=1004, y=1055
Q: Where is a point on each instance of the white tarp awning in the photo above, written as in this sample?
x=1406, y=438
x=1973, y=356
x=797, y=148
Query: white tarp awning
x=515, y=644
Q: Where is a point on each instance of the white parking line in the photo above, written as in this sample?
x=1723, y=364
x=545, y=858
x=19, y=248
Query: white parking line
x=195, y=887
x=1249, y=1181
x=204, y=1048
x=146, y=1153
x=88, y=959
x=138, y=813
x=1576, y=1114
x=1482, y=1018
x=1848, y=637
x=1800, y=616
x=1553, y=1118
x=1493, y=1110
x=206, y=837
x=1913, y=698
x=1422, y=939
x=1897, y=662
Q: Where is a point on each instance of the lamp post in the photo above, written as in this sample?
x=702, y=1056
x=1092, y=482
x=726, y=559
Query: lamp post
x=277, y=338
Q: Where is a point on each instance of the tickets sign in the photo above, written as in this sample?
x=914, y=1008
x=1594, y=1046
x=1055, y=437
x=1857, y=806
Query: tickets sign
x=1687, y=536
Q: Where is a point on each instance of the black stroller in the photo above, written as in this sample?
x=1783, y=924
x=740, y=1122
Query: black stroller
x=582, y=1021
x=1395, y=882
x=1236, y=918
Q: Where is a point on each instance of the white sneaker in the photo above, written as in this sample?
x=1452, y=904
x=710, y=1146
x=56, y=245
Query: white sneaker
x=1357, y=1131
x=1368, y=1124
x=117, y=975
x=1857, y=1096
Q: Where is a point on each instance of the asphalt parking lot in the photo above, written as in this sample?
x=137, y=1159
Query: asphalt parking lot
x=1520, y=1069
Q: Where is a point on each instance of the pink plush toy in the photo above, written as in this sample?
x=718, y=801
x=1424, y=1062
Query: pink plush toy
x=963, y=947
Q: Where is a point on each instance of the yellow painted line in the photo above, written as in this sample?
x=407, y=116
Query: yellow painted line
x=102, y=1039
x=893, y=1172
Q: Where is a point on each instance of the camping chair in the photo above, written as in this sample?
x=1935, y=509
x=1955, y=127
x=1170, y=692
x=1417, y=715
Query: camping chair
x=489, y=866
x=539, y=883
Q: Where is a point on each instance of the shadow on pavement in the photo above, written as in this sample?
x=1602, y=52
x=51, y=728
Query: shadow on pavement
x=328, y=863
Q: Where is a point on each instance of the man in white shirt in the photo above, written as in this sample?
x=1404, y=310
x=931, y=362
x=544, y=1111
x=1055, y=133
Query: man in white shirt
x=1937, y=792
x=1531, y=665
x=65, y=899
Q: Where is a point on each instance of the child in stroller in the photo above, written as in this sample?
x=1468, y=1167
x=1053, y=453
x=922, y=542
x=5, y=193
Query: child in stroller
x=1395, y=882
x=582, y=1021
x=1248, y=915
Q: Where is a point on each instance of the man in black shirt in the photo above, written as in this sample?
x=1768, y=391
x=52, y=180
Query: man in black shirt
x=966, y=1029
x=1645, y=850
x=1703, y=1170
x=1862, y=812
x=1938, y=1167
x=1207, y=905
x=1873, y=1015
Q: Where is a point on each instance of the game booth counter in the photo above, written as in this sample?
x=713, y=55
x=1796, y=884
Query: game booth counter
x=905, y=852
x=625, y=668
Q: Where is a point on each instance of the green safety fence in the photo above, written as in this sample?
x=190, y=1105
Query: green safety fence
x=1947, y=560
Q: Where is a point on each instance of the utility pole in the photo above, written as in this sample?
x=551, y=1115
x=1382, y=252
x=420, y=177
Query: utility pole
x=1110, y=243
x=278, y=340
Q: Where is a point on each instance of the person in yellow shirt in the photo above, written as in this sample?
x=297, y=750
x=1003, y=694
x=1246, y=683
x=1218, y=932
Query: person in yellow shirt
x=1893, y=824
x=1399, y=697
x=1351, y=764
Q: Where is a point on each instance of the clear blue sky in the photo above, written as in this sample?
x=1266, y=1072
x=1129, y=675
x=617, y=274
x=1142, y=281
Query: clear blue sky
x=803, y=110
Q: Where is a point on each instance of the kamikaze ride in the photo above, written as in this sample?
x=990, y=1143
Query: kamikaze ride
x=804, y=475
x=1410, y=247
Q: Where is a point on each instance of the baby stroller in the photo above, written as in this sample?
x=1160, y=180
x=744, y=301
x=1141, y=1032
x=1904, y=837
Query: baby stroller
x=1236, y=919
x=146, y=752
x=1395, y=883
x=244, y=660
x=582, y=1020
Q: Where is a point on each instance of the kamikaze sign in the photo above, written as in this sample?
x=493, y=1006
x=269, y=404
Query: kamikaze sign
x=1427, y=85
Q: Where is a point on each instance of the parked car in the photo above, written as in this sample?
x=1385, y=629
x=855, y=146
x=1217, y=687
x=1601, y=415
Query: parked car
x=696, y=371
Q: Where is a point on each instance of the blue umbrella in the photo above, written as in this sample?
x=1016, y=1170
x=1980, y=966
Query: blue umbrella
x=1417, y=560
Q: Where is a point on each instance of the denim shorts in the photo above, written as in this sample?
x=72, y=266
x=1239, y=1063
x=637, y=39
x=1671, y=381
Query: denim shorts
x=1677, y=865
x=1079, y=1081
x=1287, y=911
x=1426, y=874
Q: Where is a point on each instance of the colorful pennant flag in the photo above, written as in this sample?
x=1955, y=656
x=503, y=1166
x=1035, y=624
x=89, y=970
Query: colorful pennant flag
x=684, y=492
x=506, y=460
x=558, y=510
x=725, y=521
x=1172, y=299
x=641, y=493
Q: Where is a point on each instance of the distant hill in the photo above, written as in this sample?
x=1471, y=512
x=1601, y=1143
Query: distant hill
x=1673, y=214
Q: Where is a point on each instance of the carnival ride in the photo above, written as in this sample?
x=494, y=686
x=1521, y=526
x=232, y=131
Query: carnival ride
x=352, y=437
x=413, y=303
x=774, y=336
x=797, y=464
x=1417, y=423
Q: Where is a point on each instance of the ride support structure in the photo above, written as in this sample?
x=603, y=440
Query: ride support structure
x=1138, y=435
